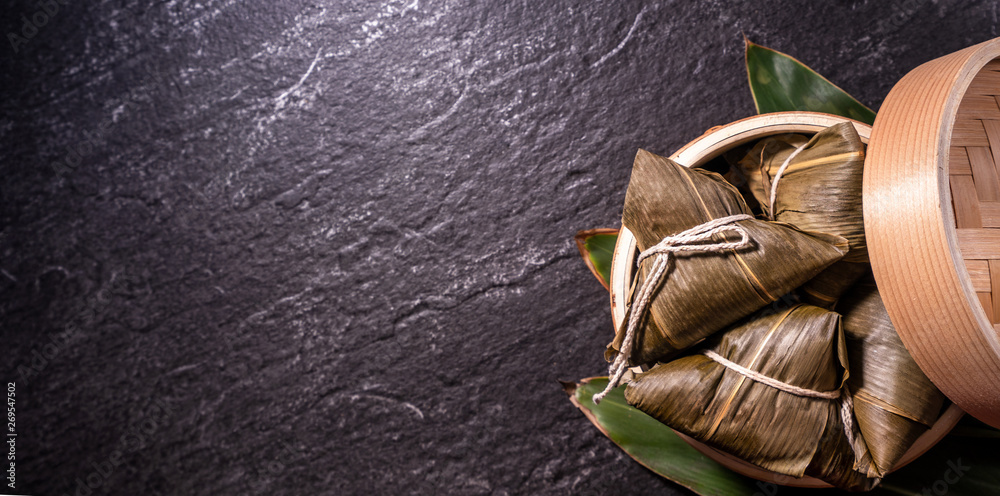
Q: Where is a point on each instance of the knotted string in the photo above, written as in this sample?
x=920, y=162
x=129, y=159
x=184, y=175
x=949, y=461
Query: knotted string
x=777, y=175
x=692, y=240
x=842, y=394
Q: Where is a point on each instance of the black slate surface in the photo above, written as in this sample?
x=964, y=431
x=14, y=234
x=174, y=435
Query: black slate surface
x=325, y=247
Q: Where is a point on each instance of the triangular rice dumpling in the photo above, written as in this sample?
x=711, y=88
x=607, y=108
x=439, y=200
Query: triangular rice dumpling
x=705, y=292
x=819, y=190
x=893, y=400
x=760, y=423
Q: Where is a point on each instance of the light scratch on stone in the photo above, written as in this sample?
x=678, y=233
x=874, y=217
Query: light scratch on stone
x=8, y=275
x=303, y=79
x=439, y=119
x=410, y=406
x=182, y=368
x=625, y=40
x=415, y=409
x=517, y=71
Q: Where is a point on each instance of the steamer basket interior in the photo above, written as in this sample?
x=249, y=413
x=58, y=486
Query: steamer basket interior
x=974, y=179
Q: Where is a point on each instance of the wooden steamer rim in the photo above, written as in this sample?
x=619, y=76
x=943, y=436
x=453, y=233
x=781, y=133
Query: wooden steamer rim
x=713, y=143
x=916, y=250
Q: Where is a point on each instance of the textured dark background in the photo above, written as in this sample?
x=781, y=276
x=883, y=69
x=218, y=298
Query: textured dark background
x=317, y=247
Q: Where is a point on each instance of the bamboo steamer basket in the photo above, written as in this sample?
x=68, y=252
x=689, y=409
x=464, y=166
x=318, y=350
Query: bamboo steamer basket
x=932, y=221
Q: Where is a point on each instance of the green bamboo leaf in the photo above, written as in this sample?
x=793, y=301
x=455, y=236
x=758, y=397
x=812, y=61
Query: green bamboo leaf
x=654, y=445
x=781, y=83
x=597, y=246
x=956, y=466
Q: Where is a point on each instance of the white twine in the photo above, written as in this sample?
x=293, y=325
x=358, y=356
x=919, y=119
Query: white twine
x=843, y=394
x=692, y=240
x=777, y=175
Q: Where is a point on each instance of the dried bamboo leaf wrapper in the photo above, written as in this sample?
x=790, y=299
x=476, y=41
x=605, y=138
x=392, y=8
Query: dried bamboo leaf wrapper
x=760, y=158
x=825, y=289
x=771, y=428
x=664, y=197
x=820, y=190
x=835, y=462
x=894, y=401
x=705, y=292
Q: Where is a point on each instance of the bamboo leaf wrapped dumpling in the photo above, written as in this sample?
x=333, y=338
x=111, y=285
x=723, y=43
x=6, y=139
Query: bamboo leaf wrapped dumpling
x=893, y=400
x=704, y=292
x=802, y=349
x=819, y=189
x=815, y=184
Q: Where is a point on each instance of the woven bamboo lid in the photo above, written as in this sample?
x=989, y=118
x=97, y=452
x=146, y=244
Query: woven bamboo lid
x=932, y=220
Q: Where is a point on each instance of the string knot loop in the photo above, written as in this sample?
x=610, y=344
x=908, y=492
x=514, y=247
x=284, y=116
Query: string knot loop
x=694, y=240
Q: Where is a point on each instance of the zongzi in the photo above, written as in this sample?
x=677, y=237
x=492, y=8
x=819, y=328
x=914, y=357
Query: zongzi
x=893, y=400
x=706, y=287
x=769, y=391
x=814, y=184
